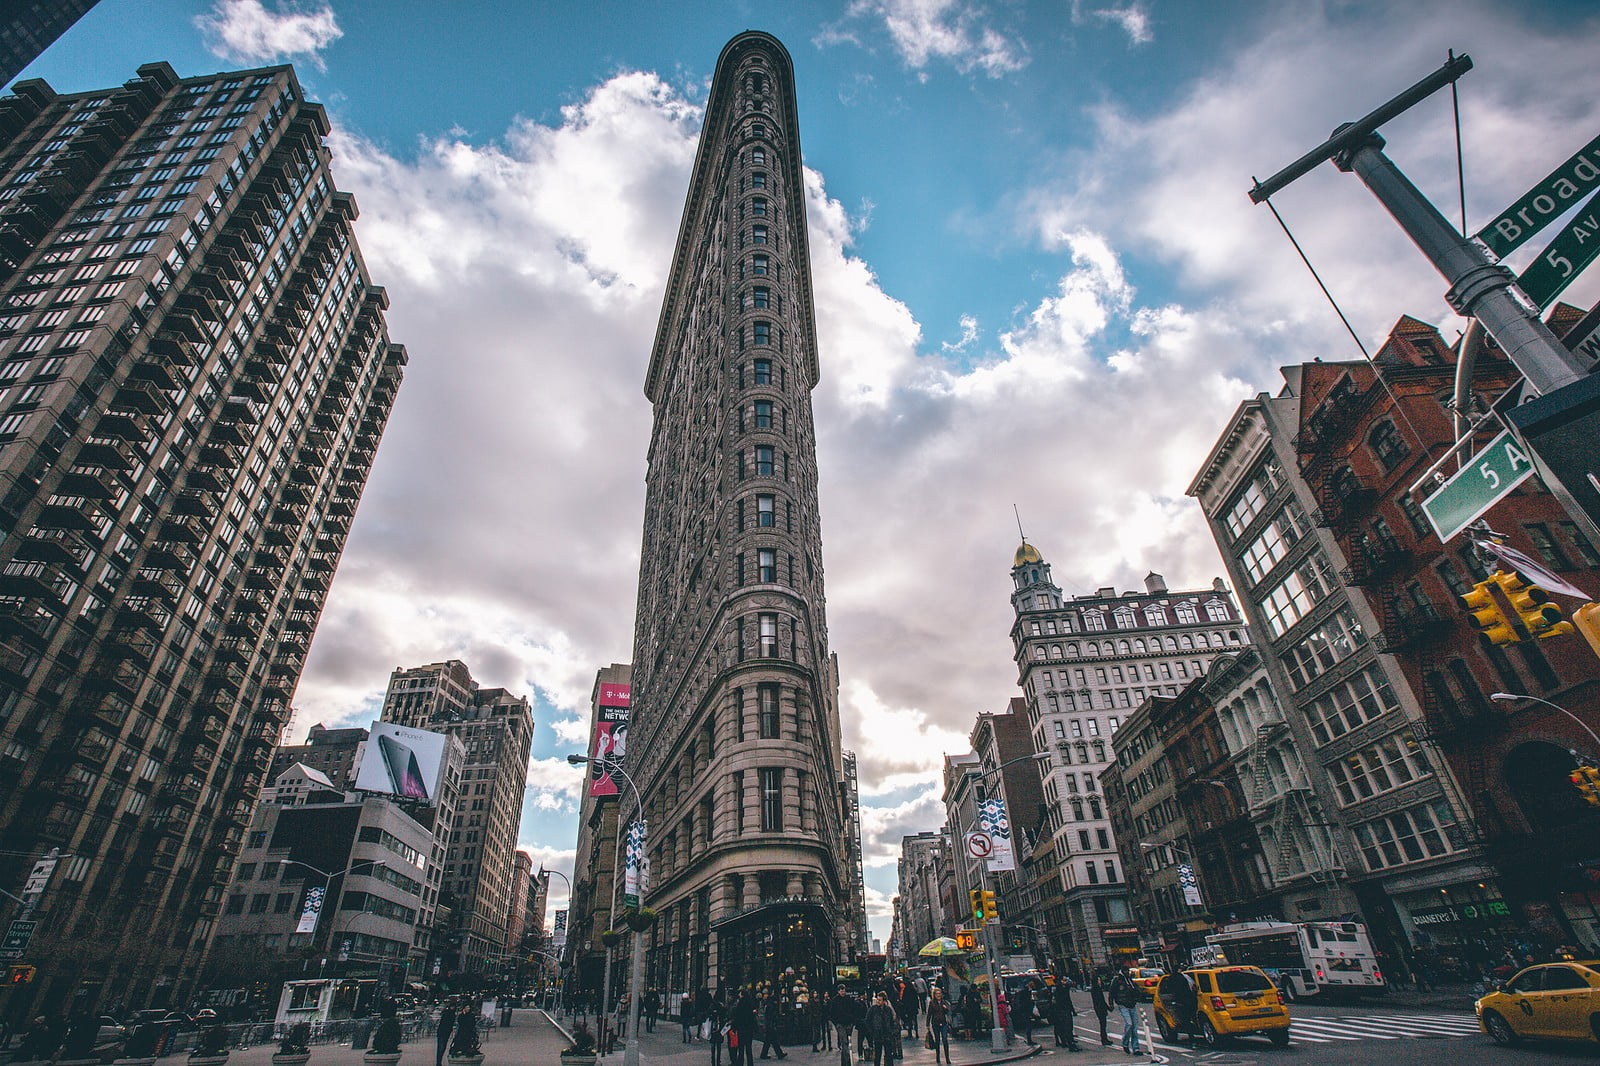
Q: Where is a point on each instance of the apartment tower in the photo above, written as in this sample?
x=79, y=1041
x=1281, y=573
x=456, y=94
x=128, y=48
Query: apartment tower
x=496, y=729
x=735, y=732
x=194, y=375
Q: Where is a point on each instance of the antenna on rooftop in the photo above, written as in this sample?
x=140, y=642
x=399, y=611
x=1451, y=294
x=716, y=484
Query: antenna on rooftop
x=1018, y=513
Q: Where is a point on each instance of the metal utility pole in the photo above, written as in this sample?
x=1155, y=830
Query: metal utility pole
x=1480, y=288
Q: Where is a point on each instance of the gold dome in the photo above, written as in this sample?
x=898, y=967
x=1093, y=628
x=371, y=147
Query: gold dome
x=1026, y=553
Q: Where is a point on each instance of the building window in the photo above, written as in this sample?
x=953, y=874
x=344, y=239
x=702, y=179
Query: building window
x=1586, y=550
x=761, y=332
x=766, y=566
x=767, y=711
x=1546, y=544
x=771, y=799
x=758, y=179
x=763, y=460
x=764, y=510
x=761, y=371
x=767, y=631
x=758, y=265
x=760, y=297
x=758, y=207
x=1387, y=445
x=1414, y=516
x=763, y=414
x=758, y=235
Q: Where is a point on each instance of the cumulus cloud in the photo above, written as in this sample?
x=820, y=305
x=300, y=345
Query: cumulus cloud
x=246, y=31
x=1132, y=19
x=922, y=31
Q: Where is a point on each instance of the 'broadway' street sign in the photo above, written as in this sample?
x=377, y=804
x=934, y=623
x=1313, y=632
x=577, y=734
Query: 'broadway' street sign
x=1545, y=202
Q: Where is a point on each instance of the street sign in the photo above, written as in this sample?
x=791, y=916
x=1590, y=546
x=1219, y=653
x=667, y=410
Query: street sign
x=1584, y=338
x=1483, y=482
x=1561, y=429
x=967, y=939
x=1545, y=202
x=1560, y=264
x=15, y=944
x=979, y=845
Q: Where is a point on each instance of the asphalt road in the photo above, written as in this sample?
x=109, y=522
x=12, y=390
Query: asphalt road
x=1334, y=1035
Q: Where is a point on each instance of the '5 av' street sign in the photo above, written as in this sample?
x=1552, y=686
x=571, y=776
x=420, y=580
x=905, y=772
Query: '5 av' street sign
x=1574, y=248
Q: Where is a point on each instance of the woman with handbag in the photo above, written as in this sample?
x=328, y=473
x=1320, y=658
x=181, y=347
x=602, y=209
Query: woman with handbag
x=939, y=1025
x=883, y=1028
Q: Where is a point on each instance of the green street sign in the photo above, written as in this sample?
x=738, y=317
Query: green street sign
x=1559, y=265
x=1478, y=486
x=1545, y=202
x=17, y=936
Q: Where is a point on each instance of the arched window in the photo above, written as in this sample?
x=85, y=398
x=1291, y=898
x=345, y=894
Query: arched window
x=1093, y=648
x=1187, y=642
x=1387, y=445
x=1122, y=648
x=1072, y=651
x=1169, y=643
x=1055, y=651
x=1537, y=774
x=1138, y=646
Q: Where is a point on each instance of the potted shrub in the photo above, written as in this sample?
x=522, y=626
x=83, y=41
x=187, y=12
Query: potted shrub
x=582, y=1048
x=385, y=1049
x=465, y=1048
x=295, y=1047
x=212, y=1047
x=140, y=1049
x=611, y=937
x=641, y=919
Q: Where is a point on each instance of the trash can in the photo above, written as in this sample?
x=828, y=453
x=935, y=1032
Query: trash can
x=505, y=1016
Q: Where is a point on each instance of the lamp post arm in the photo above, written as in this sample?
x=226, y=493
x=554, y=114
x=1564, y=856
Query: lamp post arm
x=1503, y=696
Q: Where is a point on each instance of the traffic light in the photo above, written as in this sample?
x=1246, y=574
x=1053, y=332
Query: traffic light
x=1532, y=604
x=977, y=906
x=1586, y=779
x=1586, y=620
x=1486, y=615
x=990, y=911
x=21, y=975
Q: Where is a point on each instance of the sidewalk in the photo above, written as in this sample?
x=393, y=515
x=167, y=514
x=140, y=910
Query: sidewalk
x=666, y=1046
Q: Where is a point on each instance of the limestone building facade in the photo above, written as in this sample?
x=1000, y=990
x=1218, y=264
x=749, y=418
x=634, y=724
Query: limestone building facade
x=735, y=740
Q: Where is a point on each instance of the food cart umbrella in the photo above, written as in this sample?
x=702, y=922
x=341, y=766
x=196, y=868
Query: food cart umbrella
x=939, y=947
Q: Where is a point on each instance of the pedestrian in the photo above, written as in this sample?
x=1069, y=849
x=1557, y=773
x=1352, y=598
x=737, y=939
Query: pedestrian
x=686, y=1017
x=771, y=1023
x=1022, y=1011
x=441, y=1034
x=972, y=1012
x=715, y=1039
x=844, y=1013
x=817, y=1019
x=1003, y=1022
x=883, y=1029
x=1102, y=1005
x=908, y=1008
x=652, y=1008
x=1126, y=997
x=939, y=1025
x=465, y=1039
x=744, y=1027
x=1063, y=1015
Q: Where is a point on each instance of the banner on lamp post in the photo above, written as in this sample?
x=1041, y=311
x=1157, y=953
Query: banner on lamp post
x=636, y=869
x=1189, y=884
x=993, y=821
x=311, y=910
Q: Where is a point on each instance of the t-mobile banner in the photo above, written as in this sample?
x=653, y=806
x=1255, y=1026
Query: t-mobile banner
x=312, y=910
x=992, y=820
x=610, y=749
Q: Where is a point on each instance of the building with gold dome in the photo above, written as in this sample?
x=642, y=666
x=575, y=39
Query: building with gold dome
x=1085, y=663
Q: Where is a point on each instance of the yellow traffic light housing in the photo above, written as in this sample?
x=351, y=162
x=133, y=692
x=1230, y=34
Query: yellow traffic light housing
x=991, y=913
x=1539, y=616
x=1586, y=779
x=977, y=906
x=1486, y=615
x=1586, y=620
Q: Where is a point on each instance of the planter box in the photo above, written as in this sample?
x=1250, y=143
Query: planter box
x=297, y=1059
x=578, y=1058
x=376, y=1058
x=465, y=1060
x=151, y=1061
x=208, y=1060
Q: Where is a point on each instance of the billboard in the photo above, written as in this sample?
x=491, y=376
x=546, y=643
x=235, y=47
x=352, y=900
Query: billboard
x=402, y=762
x=610, y=747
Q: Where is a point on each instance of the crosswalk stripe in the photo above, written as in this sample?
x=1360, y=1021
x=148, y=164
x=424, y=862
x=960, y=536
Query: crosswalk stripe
x=1355, y=1032
x=1440, y=1025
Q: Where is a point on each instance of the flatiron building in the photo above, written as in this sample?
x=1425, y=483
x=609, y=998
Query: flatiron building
x=734, y=739
x=194, y=375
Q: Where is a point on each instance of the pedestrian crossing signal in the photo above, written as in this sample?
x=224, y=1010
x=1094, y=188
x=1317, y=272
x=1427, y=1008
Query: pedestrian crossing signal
x=1586, y=779
x=21, y=975
x=967, y=939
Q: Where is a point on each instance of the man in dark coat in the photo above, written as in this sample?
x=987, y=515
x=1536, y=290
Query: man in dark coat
x=771, y=1022
x=743, y=1020
x=1063, y=1015
x=1022, y=1011
x=1102, y=1005
x=844, y=1011
x=441, y=1035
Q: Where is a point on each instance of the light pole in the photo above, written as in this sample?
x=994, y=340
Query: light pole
x=630, y=1050
x=559, y=977
x=330, y=904
x=997, y=1035
x=1505, y=697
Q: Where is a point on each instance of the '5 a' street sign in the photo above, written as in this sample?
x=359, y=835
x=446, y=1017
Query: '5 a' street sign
x=1478, y=486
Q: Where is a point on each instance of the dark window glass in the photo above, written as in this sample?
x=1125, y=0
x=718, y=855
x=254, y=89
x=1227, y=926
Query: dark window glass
x=761, y=372
x=771, y=799
x=1387, y=445
x=763, y=414
x=767, y=696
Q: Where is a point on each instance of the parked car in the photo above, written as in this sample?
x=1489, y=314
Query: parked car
x=1231, y=1001
x=1144, y=978
x=1557, y=1001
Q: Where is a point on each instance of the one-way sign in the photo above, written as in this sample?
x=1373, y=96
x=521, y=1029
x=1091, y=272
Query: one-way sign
x=15, y=944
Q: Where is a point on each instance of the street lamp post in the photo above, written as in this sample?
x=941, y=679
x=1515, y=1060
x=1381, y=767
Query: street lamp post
x=997, y=1035
x=330, y=905
x=1504, y=697
x=630, y=1050
x=559, y=975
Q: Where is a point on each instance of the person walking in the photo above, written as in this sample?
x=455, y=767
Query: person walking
x=883, y=1029
x=972, y=1012
x=652, y=1008
x=909, y=1007
x=844, y=1011
x=1126, y=997
x=817, y=1019
x=718, y=1034
x=1022, y=1011
x=1063, y=1015
x=1102, y=1005
x=686, y=1017
x=939, y=1024
x=743, y=1020
x=441, y=1034
x=771, y=1020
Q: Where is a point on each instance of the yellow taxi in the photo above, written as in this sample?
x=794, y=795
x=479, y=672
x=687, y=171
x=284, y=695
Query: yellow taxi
x=1219, y=1002
x=1144, y=978
x=1555, y=1001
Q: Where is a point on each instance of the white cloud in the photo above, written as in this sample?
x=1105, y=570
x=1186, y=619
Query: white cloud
x=951, y=30
x=1132, y=19
x=246, y=31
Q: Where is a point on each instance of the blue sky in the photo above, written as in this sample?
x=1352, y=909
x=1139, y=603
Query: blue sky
x=1038, y=280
